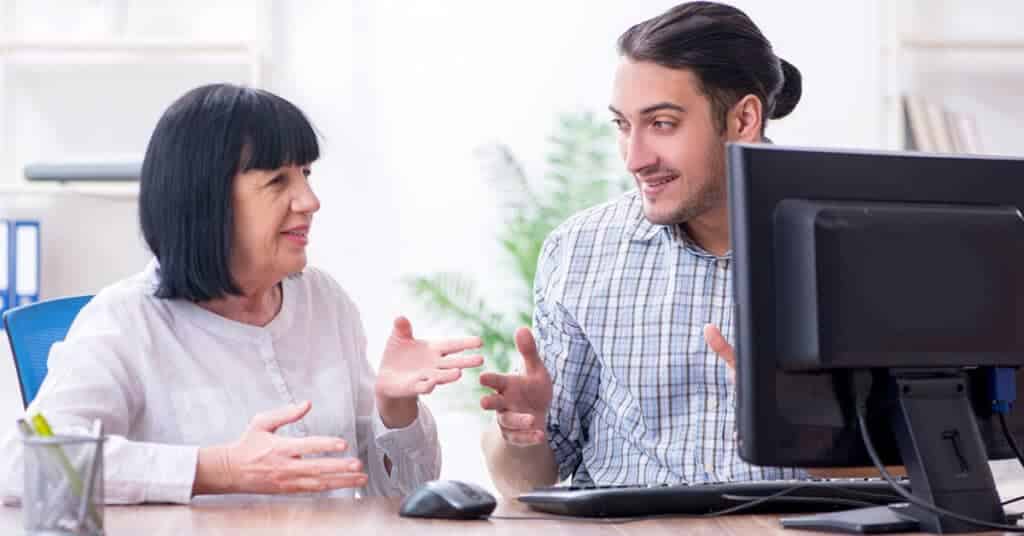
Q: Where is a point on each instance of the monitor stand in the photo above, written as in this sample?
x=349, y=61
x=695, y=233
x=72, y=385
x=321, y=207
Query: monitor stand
x=944, y=455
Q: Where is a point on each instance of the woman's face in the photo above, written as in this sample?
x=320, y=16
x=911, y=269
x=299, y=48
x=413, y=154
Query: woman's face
x=273, y=212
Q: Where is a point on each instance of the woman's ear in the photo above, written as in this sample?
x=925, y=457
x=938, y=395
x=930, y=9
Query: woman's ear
x=745, y=120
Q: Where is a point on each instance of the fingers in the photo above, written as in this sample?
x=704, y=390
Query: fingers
x=493, y=402
x=525, y=438
x=461, y=362
x=304, y=446
x=452, y=346
x=271, y=420
x=320, y=467
x=435, y=378
x=515, y=421
x=519, y=429
x=314, y=484
x=498, y=382
x=402, y=328
x=528, y=349
x=719, y=345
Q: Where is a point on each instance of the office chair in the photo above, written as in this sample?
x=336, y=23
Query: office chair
x=32, y=329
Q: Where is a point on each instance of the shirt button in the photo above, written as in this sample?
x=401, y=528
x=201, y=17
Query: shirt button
x=713, y=404
x=709, y=469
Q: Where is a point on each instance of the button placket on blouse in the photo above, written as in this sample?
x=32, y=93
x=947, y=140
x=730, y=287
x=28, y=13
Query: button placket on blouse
x=266, y=351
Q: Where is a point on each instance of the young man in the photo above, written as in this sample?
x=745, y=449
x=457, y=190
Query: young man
x=630, y=380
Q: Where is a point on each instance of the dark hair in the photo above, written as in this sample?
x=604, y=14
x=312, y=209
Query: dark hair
x=201, y=142
x=725, y=50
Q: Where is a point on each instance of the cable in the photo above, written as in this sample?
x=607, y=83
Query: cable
x=1010, y=439
x=870, y=446
x=1016, y=450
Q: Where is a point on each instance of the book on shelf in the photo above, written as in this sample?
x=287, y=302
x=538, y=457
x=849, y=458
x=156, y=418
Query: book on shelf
x=934, y=128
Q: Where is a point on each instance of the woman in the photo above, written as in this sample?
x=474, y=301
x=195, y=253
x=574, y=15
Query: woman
x=228, y=365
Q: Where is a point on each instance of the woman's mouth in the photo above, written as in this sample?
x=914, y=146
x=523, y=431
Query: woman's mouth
x=299, y=236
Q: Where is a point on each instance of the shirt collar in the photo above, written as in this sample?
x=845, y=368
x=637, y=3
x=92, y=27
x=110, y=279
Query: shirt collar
x=644, y=232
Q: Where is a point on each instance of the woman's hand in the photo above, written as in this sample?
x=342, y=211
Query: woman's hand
x=411, y=367
x=263, y=462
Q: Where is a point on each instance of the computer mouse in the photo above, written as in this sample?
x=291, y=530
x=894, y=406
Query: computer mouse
x=448, y=499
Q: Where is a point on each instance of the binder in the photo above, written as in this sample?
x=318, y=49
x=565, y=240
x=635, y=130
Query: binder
x=25, y=280
x=6, y=265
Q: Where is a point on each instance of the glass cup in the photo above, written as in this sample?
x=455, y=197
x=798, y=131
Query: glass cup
x=63, y=492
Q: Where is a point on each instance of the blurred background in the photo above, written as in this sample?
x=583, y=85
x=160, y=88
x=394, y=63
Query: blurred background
x=456, y=133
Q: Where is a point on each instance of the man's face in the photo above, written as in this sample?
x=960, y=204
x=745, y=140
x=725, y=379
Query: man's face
x=669, y=141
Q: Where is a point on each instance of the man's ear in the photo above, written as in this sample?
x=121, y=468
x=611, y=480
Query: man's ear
x=745, y=120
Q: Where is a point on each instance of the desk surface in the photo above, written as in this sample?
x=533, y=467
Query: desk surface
x=313, y=517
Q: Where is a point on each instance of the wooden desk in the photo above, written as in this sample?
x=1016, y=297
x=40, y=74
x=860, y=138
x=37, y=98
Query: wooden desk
x=314, y=517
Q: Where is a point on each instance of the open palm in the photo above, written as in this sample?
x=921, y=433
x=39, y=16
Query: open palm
x=411, y=367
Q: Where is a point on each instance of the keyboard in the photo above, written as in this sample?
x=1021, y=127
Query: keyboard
x=710, y=497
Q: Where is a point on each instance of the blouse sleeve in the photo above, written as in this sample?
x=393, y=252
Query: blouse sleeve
x=88, y=378
x=413, y=451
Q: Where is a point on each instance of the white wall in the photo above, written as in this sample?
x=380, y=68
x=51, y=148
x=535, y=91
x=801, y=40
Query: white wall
x=405, y=91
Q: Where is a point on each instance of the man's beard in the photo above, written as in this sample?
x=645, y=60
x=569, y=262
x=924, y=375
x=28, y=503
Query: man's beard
x=711, y=195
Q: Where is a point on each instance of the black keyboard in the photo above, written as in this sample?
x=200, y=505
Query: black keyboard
x=705, y=498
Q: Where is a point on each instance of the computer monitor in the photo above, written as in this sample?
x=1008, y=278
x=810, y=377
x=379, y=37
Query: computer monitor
x=893, y=282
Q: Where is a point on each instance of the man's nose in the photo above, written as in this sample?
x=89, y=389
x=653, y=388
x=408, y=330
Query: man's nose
x=639, y=156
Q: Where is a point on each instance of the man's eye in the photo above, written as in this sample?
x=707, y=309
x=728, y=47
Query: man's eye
x=620, y=124
x=663, y=125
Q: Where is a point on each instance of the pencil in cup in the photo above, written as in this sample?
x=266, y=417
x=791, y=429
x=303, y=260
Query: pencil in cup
x=56, y=496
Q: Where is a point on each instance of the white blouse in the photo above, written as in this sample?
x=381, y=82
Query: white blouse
x=167, y=376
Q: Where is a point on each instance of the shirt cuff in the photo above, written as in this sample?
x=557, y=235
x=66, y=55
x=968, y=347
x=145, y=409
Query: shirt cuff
x=408, y=441
x=173, y=481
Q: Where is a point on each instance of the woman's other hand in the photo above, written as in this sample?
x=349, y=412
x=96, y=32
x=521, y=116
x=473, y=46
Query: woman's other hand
x=264, y=462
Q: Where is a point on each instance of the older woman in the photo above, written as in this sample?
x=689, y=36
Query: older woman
x=228, y=365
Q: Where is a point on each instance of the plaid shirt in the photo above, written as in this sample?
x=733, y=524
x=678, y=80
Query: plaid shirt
x=639, y=398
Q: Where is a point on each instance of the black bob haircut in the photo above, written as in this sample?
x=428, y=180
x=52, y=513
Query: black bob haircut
x=201, y=142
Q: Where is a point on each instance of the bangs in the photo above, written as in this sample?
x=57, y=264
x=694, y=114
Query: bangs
x=274, y=133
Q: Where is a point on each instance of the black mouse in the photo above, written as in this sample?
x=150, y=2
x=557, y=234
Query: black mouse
x=448, y=499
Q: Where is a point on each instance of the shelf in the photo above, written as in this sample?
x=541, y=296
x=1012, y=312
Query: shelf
x=114, y=191
x=992, y=45
x=88, y=46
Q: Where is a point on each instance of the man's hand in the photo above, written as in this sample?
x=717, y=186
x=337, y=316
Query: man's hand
x=722, y=348
x=521, y=401
x=264, y=462
x=411, y=367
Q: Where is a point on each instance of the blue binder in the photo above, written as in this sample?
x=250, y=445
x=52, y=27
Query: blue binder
x=6, y=265
x=24, y=280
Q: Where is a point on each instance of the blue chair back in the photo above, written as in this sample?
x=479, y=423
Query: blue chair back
x=32, y=330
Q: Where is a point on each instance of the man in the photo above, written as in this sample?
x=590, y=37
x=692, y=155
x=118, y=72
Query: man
x=630, y=380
